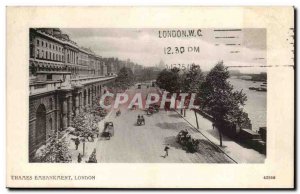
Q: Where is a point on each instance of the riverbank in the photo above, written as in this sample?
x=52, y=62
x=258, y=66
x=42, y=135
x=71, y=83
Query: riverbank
x=256, y=104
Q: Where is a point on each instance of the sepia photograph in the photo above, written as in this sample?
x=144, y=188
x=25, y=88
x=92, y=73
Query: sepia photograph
x=150, y=97
x=147, y=95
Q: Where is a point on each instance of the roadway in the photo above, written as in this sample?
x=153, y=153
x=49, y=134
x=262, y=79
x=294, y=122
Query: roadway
x=145, y=144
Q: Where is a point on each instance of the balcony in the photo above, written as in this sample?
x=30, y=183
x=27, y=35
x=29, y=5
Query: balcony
x=43, y=87
x=39, y=87
x=90, y=80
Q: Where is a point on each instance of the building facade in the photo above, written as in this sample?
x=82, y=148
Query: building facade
x=64, y=80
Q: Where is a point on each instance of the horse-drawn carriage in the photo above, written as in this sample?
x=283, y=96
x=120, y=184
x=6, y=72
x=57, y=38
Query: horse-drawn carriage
x=118, y=113
x=108, y=130
x=140, y=120
x=187, y=142
x=153, y=108
x=133, y=107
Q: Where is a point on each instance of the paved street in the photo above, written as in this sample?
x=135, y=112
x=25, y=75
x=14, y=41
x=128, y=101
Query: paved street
x=145, y=144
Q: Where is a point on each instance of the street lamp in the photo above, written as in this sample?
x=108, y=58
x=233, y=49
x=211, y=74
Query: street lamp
x=83, y=146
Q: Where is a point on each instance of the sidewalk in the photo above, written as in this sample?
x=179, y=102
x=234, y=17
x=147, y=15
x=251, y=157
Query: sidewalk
x=89, y=146
x=233, y=149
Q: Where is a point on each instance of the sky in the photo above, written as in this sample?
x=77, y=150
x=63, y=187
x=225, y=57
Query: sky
x=245, y=48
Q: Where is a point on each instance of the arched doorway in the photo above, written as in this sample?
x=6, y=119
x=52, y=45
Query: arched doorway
x=40, y=127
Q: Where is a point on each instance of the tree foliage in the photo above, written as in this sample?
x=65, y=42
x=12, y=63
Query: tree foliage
x=192, y=80
x=125, y=78
x=85, y=124
x=56, y=151
x=169, y=80
x=97, y=109
x=219, y=98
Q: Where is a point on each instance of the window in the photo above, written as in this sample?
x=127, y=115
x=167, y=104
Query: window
x=53, y=56
x=37, y=42
x=49, y=77
x=37, y=53
x=42, y=43
x=42, y=54
x=49, y=45
x=46, y=55
x=46, y=44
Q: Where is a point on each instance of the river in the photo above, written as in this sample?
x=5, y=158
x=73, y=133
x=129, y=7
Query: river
x=256, y=104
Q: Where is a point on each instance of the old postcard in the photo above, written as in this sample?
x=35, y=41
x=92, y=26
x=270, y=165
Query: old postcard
x=150, y=97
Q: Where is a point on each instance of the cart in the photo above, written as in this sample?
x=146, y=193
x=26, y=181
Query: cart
x=108, y=130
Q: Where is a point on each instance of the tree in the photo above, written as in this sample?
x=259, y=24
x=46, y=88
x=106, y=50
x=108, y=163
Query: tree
x=124, y=79
x=219, y=99
x=192, y=80
x=191, y=83
x=169, y=80
x=85, y=124
x=97, y=109
x=56, y=151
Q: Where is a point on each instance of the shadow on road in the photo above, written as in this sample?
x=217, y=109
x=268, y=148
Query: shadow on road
x=135, y=124
x=177, y=126
x=174, y=115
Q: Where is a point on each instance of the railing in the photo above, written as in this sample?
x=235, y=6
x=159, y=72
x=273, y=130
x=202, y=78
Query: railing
x=42, y=87
x=87, y=80
x=48, y=86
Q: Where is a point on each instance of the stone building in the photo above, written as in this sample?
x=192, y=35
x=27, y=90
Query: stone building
x=83, y=62
x=64, y=79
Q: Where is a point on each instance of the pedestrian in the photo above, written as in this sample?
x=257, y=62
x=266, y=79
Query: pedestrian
x=77, y=142
x=213, y=125
x=138, y=118
x=166, y=150
x=79, y=158
x=92, y=137
x=143, y=119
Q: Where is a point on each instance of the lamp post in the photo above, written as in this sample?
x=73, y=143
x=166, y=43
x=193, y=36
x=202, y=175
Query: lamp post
x=196, y=119
x=83, y=146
